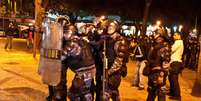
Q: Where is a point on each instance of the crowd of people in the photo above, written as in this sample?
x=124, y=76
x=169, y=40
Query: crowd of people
x=191, y=51
x=156, y=58
x=149, y=52
x=98, y=55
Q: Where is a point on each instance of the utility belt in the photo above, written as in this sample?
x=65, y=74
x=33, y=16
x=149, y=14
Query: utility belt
x=158, y=76
x=86, y=72
x=82, y=83
x=158, y=68
x=51, y=53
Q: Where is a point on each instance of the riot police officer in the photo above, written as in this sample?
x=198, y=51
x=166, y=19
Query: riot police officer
x=158, y=56
x=50, y=64
x=192, y=51
x=78, y=57
x=116, y=54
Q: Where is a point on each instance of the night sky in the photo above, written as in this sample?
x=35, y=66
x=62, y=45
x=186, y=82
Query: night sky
x=169, y=11
x=177, y=11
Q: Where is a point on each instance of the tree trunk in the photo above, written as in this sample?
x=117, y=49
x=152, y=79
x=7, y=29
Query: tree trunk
x=196, y=91
x=39, y=15
x=145, y=16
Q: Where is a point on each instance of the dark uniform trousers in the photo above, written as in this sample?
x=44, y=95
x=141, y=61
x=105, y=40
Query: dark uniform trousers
x=156, y=91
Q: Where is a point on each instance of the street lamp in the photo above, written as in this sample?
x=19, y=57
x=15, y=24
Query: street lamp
x=180, y=27
x=175, y=28
x=194, y=30
x=103, y=17
x=158, y=23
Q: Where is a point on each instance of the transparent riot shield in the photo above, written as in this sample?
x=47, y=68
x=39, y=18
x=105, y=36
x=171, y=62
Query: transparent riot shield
x=50, y=53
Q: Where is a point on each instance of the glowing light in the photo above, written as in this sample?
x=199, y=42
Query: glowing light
x=124, y=27
x=175, y=28
x=150, y=30
x=158, y=23
x=195, y=30
x=102, y=17
x=168, y=31
x=15, y=6
x=180, y=27
x=30, y=24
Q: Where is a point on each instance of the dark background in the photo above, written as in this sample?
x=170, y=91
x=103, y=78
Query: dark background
x=170, y=12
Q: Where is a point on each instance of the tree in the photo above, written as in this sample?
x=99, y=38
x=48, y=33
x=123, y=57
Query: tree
x=42, y=6
x=2, y=10
x=2, y=13
x=39, y=16
x=145, y=16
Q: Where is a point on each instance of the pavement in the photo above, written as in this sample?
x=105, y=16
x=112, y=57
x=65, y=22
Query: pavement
x=19, y=79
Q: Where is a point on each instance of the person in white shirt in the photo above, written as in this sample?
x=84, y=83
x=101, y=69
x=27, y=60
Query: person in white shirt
x=141, y=62
x=176, y=66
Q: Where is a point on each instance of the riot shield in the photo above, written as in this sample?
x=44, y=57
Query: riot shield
x=50, y=53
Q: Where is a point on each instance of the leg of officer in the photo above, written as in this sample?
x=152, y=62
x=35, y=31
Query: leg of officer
x=59, y=92
x=151, y=94
x=161, y=94
x=115, y=96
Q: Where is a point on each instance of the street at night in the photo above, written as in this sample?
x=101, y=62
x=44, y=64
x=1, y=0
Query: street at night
x=19, y=80
x=100, y=50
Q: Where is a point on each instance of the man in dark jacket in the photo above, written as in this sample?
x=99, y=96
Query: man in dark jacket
x=9, y=35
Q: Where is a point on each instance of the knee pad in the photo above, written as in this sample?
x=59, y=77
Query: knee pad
x=105, y=96
x=88, y=97
x=81, y=87
x=77, y=85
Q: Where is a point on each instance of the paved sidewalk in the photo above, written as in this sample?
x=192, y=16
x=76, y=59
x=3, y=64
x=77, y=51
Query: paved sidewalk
x=19, y=80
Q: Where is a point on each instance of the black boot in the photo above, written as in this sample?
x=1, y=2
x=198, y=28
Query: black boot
x=49, y=98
